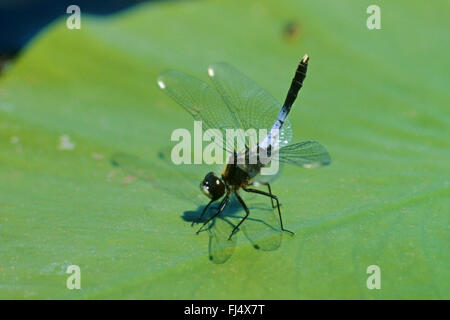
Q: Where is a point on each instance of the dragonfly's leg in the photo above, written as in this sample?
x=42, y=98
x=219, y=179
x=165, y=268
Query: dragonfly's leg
x=222, y=206
x=276, y=200
x=203, y=212
x=270, y=192
x=247, y=212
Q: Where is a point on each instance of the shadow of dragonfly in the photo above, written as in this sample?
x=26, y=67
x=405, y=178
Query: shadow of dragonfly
x=262, y=228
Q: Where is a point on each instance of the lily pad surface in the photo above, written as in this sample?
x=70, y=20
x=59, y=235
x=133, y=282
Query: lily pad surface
x=377, y=99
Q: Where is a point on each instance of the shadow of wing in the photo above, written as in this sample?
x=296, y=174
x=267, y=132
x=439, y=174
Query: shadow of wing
x=261, y=228
x=220, y=248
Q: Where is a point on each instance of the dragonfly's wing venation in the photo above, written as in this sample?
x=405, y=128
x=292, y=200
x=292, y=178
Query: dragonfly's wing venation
x=200, y=100
x=162, y=175
x=254, y=108
x=307, y=154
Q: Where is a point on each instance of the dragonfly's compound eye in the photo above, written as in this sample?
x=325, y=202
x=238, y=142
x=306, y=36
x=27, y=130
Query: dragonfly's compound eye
x=212, y=186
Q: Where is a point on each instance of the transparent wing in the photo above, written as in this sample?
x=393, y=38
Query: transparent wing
x=202, y=102
x=307, y=154
x=178, y=181
x=264, y=179
x=253, y=107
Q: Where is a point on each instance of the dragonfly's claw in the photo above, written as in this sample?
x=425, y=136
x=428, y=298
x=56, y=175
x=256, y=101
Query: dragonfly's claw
x=200, y=230
x=288, y=231
x=231, y=235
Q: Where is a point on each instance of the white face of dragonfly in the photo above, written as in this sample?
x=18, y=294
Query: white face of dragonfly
x=205, y=190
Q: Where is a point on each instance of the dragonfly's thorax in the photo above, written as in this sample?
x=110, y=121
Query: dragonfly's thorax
x=234, y=176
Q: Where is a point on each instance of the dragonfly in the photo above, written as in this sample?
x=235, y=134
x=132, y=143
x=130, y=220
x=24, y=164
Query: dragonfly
x=236, y=102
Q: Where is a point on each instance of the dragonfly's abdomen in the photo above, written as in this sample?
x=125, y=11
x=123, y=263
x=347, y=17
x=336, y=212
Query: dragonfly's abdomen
x=296, y=85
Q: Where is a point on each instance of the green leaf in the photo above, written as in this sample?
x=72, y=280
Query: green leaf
x=376, y=99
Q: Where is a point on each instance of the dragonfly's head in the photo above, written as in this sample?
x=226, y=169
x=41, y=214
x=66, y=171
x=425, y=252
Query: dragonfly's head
x=212, y=186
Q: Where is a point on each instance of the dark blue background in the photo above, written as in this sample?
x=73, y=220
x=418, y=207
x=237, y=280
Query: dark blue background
x=20, y=20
